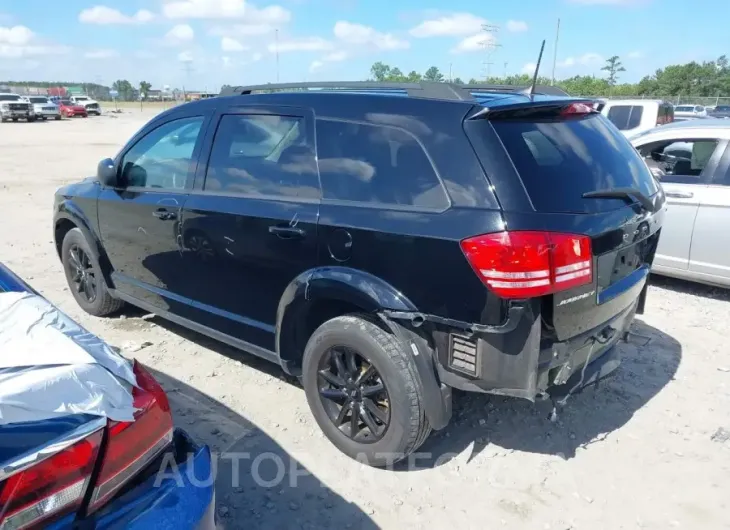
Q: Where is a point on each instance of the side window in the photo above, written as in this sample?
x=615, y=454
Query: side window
x=262, y=154
x=162, y=158
x=635, y=117
x=619, y=116
x=723, y=179
x=679, y=161
x=375, y=164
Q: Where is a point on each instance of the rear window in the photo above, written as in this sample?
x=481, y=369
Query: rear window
x=626, y=117
x=559, y=161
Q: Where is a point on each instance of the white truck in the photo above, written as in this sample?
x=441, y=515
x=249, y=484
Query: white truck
x=92, y=106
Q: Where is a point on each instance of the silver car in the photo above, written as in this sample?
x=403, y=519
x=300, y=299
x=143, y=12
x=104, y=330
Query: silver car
x=691, y=159
x=44, y=108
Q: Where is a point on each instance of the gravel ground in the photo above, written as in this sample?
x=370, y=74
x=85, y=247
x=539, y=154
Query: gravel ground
x=647, y=449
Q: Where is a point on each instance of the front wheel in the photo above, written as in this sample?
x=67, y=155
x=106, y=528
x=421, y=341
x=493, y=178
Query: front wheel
x=84, y=276
x=362, y=388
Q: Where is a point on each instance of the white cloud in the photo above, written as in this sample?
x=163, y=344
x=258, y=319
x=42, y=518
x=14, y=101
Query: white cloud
x=454, y=25
x=255, y=22
x=257, y=56
x=16, y=36
x=180, y=34
x=101, y=54
x=636, y=54
x=232, y=45
x=516, y=26
x=474, y=43
x=204, y=9
x=529, y=68
x=584, y=60
x=104, y=15
x=185, y=57
x=334, y=57
x=367, y=36
x=309, y=44
x=20, y=41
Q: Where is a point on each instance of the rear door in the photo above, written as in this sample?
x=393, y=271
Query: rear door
x=558, y=158
x=709, y=255
x=250, y=226
x=684, y=166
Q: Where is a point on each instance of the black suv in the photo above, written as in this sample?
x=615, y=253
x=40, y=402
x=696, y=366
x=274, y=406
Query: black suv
x=384, y=242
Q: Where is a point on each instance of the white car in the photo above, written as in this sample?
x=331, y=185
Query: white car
x=691, y=160
x=92, y=106
x=690, y=111
x=634, y=116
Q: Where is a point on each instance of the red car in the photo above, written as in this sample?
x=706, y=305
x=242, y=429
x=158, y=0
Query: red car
x=69, y=109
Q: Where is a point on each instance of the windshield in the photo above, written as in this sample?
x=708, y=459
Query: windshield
x=81, y=98
x=9, y=97
x=560, y=160
x=684, y=109
x=38, y=100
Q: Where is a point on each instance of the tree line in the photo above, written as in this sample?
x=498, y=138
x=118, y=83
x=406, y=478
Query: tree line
x=127, y=91
x=706, y=79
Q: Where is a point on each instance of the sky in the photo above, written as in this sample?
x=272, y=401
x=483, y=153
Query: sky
x=202, y=44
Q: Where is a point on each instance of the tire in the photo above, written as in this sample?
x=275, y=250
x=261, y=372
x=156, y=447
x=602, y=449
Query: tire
x=15, y=119
x=102, y=303
x=44, y=118
x=407, y=427
x=57, y=118
x=31, y=119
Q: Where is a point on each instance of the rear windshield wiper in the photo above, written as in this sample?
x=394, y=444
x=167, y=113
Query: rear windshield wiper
x=630, y=195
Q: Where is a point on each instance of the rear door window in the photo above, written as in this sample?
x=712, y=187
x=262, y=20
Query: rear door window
x=626, y=117
x=560, y=160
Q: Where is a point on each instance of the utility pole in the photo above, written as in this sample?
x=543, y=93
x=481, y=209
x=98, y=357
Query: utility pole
x=505, y=70
x=555, y=52
x=451, y=78
x=277, y=55
x=490, y=44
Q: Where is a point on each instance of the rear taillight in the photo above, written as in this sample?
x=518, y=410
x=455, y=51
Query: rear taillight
x=575, y=109
x=131, y=446
x=529, y=264
x=52, y=487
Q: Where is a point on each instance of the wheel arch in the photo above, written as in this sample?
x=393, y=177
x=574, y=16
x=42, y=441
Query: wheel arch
x=320, y=294
x=69, y=217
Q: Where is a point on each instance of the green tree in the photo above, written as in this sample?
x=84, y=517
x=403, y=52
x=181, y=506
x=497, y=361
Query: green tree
x=144, y=89
x=396, y=76
x=413, y=77
x=613, y=67
x=380, y=71
x=433, y=74
x=458, y=81
x=125, y=89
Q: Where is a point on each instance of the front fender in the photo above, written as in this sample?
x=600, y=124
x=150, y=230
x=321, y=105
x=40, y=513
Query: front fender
x=340, y=284
x=69, y=212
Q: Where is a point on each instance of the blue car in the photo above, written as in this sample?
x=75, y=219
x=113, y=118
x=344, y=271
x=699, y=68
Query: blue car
x=58, y=472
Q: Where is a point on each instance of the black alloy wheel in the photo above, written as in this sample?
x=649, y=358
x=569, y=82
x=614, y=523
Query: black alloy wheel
x=353, y=395
x=82, y=274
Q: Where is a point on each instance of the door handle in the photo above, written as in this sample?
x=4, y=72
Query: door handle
x=679, y=194
x=164, y=215
x=287, y=232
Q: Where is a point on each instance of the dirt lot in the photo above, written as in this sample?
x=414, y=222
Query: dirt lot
x=644, y=450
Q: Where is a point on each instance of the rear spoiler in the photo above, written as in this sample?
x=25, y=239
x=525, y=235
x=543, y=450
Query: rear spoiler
x=572, y=106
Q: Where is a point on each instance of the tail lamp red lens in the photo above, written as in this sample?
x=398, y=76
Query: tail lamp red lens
x=54, y=486
x=58, y=484
x=575, y=109
x=529, y=264
x=133, y=445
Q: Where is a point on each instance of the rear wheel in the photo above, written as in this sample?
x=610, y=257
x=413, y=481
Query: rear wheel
x=362, y=388
x=84, y=276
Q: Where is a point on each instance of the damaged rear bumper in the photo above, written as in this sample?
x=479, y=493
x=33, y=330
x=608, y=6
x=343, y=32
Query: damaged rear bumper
x=512, y=358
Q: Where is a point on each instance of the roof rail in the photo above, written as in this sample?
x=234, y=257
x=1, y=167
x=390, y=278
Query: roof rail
x=422, y=89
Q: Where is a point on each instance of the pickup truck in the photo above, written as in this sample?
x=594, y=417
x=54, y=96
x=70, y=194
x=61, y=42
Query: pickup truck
x=14, y=107
x=91, y=106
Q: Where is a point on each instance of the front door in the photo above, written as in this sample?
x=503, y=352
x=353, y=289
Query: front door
x=250, y=226
x=681, y=165
x=710, y=254
x=139, y=220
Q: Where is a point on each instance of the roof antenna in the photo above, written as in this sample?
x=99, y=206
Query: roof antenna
x=537, y=69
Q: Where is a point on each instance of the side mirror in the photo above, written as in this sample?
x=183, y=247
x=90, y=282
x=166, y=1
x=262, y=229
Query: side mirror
x=106, y=173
